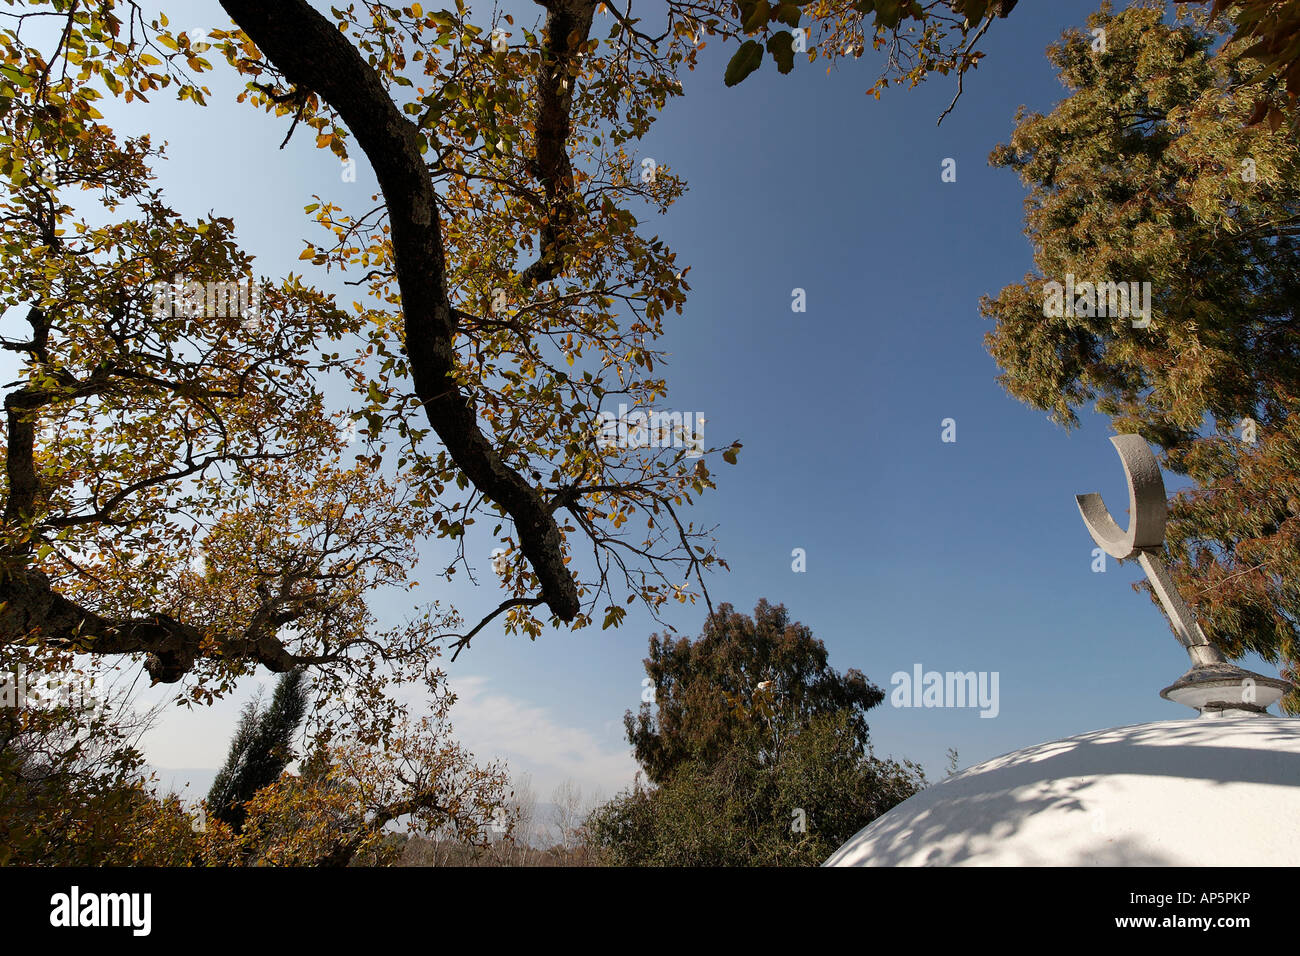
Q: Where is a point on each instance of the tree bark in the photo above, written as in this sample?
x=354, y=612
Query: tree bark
x=312, y=54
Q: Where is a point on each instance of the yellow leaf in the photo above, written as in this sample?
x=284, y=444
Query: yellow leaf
x=307, y=253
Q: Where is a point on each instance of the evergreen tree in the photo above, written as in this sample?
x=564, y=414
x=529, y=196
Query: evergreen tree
x=745, y=679
x=759, y=750
x=261, y=749
x=1146, y=173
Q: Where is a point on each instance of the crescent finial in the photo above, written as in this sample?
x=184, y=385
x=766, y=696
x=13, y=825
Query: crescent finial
x=1146, y=503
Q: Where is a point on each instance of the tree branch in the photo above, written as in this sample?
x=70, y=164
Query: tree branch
x=311, y=53
x=29, y=606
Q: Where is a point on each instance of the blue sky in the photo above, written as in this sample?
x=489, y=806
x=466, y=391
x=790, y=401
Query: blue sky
x=958, y=556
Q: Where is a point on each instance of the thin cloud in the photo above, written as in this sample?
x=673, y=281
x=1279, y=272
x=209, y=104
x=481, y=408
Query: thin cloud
x=531, y=740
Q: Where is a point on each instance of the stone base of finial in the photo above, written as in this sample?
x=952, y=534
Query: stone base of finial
x=1220, y=686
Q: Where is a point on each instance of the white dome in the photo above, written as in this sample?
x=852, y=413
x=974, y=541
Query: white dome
x=1209, y=791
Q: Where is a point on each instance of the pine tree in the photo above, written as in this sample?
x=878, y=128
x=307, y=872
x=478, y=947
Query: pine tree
x=261, y=749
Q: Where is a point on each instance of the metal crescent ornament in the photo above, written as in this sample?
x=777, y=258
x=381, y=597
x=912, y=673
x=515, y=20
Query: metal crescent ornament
x=1213, y=685
x=1145, y=536
x=1146, y=503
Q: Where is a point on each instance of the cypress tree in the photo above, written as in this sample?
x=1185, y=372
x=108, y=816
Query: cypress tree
x=262, y=747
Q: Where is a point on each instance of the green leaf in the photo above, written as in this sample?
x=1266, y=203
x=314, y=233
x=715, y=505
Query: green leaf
x=745, y=61
x=756, y=16
x=16, y=76
x=888, y=13
x=788, y=13
x=781, y=46
x=974, y=10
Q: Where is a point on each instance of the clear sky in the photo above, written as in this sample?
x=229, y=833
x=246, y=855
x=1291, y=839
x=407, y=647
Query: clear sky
x=959, y=556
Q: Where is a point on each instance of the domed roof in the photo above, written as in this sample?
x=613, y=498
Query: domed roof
x=1211, y=791
x=1219, y=790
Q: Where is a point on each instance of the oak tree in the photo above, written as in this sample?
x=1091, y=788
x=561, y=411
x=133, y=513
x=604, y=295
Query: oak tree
x=177, y=486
